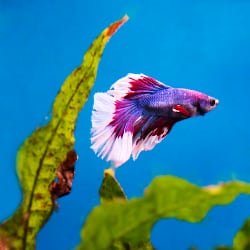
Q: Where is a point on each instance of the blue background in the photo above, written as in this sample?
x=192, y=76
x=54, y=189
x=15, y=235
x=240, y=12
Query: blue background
x=202, y=45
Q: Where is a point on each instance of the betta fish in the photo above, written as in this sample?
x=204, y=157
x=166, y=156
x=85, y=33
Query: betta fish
x=137, y=113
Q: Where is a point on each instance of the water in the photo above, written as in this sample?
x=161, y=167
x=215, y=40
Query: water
x=199, y=45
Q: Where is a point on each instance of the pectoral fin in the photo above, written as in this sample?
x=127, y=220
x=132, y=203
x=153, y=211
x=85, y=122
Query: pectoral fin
x=182, y=110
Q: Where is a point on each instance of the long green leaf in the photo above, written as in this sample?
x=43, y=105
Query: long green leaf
x=166, y=197
x=41, y=154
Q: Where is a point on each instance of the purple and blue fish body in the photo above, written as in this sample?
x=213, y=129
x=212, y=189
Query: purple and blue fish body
x=137, y=113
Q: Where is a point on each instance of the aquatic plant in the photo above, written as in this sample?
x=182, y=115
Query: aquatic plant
x=45, y=167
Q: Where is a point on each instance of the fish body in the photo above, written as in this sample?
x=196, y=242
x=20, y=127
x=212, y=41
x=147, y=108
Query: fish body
x=137, y=113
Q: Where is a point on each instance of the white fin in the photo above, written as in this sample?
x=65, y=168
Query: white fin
x=104, y=143
x=121, y=87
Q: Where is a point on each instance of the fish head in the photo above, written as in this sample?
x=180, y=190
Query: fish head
x=192, y=103
x=205, y=104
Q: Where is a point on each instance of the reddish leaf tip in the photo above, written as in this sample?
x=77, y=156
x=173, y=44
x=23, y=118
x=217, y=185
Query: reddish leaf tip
x=115, y=26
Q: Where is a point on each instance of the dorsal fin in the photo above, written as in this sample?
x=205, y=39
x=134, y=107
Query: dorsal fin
x=135, y=85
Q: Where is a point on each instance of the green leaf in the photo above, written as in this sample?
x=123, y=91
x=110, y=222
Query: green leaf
x=42, y=153
x=242, y=238
x=111, y=190
x=166, y=197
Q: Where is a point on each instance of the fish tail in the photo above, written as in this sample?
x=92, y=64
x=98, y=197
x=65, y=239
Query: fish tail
x=112, y=127
x=120, y=127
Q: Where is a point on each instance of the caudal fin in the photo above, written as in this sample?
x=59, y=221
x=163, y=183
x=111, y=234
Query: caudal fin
x=119, y=125
x=112, y=128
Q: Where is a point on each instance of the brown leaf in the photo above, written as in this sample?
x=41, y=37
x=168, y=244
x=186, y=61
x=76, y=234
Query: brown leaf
x=62, y=185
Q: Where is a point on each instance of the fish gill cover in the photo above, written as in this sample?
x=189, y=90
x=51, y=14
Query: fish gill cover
x=45, y=167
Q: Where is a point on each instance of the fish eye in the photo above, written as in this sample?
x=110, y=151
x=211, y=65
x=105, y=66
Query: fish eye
x=212, y=102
